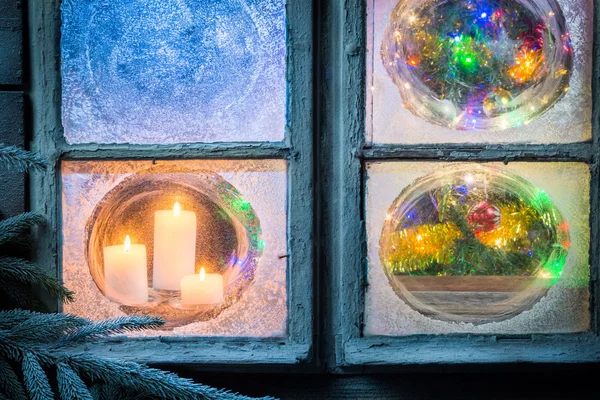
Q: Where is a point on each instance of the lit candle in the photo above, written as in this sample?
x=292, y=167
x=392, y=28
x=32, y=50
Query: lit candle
x=174, y=247
x=125, y=273
x=202, y=288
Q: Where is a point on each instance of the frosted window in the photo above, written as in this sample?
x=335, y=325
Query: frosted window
x=239, y=233
x=481, y=248
x=415, y=104
x=173, y=71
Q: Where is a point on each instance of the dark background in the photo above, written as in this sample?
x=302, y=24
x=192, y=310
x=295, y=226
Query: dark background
x=519, y=381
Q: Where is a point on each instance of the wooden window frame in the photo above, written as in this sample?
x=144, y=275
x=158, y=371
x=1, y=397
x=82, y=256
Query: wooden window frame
x=327, y=267
x=348, y=248
x=297, y=149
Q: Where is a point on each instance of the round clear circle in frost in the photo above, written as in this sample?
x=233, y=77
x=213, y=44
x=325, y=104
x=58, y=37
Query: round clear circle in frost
x=478, y=64
x=472, y=243
x=228, y=239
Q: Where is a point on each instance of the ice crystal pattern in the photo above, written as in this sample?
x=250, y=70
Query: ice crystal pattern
x=172, y=71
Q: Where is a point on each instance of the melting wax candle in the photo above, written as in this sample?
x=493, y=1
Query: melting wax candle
x=125, y=273
x=202, y=288
x=174, y=247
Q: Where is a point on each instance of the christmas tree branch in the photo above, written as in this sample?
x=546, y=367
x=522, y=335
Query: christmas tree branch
x=46, y=328
x=145, y=380
x=19, y=159
x=70, y=385
x=36, y=381
x=9, y=382
x=110, y=327
x=17, y=269
x=16, y=226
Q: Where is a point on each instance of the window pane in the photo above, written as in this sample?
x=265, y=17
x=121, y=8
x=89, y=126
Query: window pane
x=205, y=243
x=479, y=71
x=173, y=71
x=482, y=248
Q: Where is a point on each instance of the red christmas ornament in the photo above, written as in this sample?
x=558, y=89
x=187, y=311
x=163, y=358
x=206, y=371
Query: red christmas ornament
x=484, y=217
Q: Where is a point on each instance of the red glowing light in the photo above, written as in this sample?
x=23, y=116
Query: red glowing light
x=413, y=61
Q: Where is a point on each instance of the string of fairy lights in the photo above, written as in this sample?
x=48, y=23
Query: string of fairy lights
x=455, y=223
x=478, y=64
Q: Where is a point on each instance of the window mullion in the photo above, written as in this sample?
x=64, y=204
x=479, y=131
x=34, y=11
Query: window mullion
x=241, y=150
x=482, y=152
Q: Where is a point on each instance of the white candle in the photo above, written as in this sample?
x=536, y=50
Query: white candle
x=125, y=273
x=174, y=247
x=202, y=288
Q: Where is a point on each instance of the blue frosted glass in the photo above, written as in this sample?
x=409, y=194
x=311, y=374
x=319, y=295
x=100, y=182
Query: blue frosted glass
x=173, y=71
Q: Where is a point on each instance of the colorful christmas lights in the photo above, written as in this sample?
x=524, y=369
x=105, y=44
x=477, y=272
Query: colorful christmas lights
x=471, y=220
x=478, y=64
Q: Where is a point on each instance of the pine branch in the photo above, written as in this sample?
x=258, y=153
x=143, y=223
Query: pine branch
x=24, y=271
x=16, y=295
x=36, y=381
x=46, y=328
x=10, y=318
x=127, y=377
x=70, y=386
x=12, y=228
x=109, y=391
x=143, y=379
x=9, y=382
x=96, y=391
x=109, y=327
x=20, y=159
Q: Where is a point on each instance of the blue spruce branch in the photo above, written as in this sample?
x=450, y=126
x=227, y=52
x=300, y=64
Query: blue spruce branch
x=110, y=327
x=46, y=328
x=17, y=294
x=70, y=385
x=12, y=228
x=10, y=318
x=130, y=380
x=36, y=381
x=19, y=159
x=142, y=379
x=20, y=270
x=9, y=382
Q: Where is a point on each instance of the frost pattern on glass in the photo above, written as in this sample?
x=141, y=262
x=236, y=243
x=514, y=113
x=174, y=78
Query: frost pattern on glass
x=569, y=120
x=173, y=71
x=564, y=308
x=261, y=310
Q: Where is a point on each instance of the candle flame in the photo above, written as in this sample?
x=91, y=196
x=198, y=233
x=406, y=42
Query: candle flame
x=127, y=244
x=176, y=209
x=202, y=274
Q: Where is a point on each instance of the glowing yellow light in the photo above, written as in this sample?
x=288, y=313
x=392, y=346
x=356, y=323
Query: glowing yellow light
x=202, y=274
x=176, y=209
x=527, y=64
x=545, y=275
x=426, y=243
x=407, y=85
x=388, y=217
x=127, y=246
x=412, y=18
